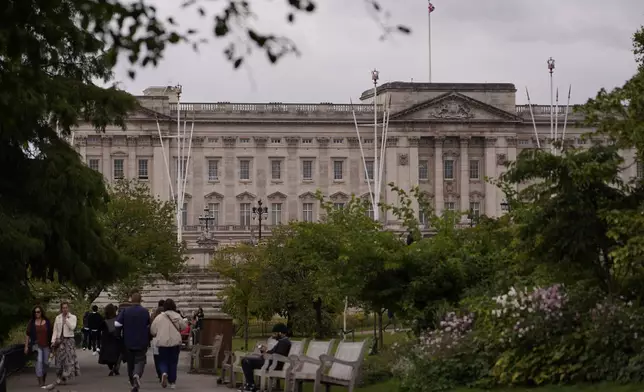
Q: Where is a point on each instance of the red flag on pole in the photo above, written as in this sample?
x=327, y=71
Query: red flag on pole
x=431, y=7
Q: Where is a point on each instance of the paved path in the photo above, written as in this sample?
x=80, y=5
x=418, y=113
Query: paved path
x=94, y=378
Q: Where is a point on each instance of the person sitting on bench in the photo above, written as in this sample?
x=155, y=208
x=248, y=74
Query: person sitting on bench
x=251, y=363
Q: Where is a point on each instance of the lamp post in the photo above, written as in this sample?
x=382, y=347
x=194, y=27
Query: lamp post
x=505, y=206
x=472, y=218
x=260, y=213
x=206, y=218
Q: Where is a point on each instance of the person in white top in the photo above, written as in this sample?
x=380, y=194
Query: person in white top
x=166, y=329
x=62, y=341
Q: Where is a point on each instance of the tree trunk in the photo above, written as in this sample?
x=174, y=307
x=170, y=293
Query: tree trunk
x=246, y=329
x=317, y=305
x=381, y=337
x=375, y=332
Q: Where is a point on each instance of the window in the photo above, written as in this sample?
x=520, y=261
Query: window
x=244, y=214
x=244, y=140
x=307, y=170
x=337, y=140
x=143, y=169
x=276, y=170
x=244, y=169
x=338, y=206
x=213, y=212
x=474, y=170
x=276, y=213
x=94, y=164
x=184, y=215
x=640, y=170
x=213, y=170
x=337, y=170
x=369, y=173
x=475, y=209
x=118, y=168
x=307, y=212
x=307, y=141
x=448, y=169
x=367, y=141
x=423, y=169
x=422, y=218
x=370, y=213
x=181, y=167
x=524, y=142
x=276, y=140
x=450, y=206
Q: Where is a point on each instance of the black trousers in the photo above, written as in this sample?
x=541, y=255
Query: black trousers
x=95, y=339
x=249, y=365
x=136, y=360
x=85, y=338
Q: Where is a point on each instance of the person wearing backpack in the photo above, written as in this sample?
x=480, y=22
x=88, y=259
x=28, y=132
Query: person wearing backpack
x=166, y=329
x=111, y=342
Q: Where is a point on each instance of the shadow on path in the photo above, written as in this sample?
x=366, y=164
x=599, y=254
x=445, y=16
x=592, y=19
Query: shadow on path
x=94, y=377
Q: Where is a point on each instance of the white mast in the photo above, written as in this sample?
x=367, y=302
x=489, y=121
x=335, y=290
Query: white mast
x=563, y=134
x=534, y=124
x=179, y=164
x=551, y=69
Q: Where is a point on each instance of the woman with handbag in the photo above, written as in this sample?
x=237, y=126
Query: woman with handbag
x=37, y=340
x=63, y=344
x=166, y=329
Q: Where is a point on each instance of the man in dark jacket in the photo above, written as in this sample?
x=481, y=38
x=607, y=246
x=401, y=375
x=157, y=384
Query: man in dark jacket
x=251, y=363
x=94, y=323
x=85, y=344
x=135, y=321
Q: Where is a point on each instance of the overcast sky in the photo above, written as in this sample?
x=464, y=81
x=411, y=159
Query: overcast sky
x=472, y=41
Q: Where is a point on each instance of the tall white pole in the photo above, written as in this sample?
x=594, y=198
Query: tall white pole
x=429, y=36
x=534, y=124
x=374, y=77
x=557, y=114
x=551, y=68
x=179, y=157
x=563, y=134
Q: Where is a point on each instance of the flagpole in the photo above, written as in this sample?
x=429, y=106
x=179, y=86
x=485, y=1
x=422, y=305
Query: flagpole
x=430, y=8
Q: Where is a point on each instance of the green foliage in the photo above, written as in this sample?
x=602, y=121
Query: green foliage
x=242, y=266
x=142, y=228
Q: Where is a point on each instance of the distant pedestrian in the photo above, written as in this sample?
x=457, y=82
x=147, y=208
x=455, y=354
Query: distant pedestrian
x=135, y=320
x=166, y=328
x=39, y=332
x=155, y=348
x=111, y=342
x=94, y=322
x=85, y=330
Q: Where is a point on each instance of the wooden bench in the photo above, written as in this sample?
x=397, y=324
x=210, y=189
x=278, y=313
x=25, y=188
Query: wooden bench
x=341, y=369
x=269, y=374
x=199, y=352
x=232, y=362
x=304, y=367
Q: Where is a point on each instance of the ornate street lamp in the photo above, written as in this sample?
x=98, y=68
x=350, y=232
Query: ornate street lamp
x=205, y=219
x=474, y=218
x=505, y=206
x=261, y=214
x=375, y=75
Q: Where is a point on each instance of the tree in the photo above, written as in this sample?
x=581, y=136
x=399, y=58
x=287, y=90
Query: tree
x=241, y=265
x=142, y=229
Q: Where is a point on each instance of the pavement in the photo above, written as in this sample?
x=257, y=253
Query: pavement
x=94, y=377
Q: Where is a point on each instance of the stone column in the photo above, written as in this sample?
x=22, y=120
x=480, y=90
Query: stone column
x=490, y=171
x=106, y=149
x=439, y=202
x=132, y=168
x=158, y=175
x=465, y=175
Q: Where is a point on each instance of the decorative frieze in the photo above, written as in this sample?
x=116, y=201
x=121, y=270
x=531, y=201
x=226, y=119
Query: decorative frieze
x=292, y=141
x=403, y=159
x=132, y=141
x=212, y=139
x=323, y=141
x=106, y=140
x=198, y=141
x=464, y=141
x=501, y=159
x=144, y=140
x=413, y=141
x=80, y=140
x=260, y=141
x=353, y=142
x=450, y=153
x=229, y=141
x=476, y=196
x=119, y=141
x=392, y=141
x=512, y=141
x=490, y=142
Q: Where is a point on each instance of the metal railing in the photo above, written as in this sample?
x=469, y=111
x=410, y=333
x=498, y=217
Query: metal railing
x=277, y=108
x=12, y=360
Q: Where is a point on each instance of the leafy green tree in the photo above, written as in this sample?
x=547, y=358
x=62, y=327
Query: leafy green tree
x=142, y=229
x=241, y=265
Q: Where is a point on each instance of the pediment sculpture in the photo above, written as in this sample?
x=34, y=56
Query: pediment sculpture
x=452, y=110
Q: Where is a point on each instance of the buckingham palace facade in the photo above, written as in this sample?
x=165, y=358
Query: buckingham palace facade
x=444, y=137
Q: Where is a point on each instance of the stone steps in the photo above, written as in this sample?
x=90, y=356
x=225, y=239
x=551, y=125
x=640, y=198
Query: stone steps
x=192, y=290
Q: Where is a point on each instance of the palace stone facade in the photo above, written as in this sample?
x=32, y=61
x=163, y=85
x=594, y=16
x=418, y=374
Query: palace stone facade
x=446, y=138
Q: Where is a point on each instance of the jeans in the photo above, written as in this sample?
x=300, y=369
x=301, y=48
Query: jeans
x=157, y=361
x=42, y=361
x=168, y=362
x=95, y=339
x=249, y=365
x=85, y=338
x=136, y=360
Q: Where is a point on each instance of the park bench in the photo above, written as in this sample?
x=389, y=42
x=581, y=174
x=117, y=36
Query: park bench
x=341, y=369
x=304, y=367
x=269, y=374
x=199, y=352
x=232, y=362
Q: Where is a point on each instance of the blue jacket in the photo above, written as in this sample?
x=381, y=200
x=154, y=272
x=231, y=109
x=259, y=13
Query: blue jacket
x=31, y=331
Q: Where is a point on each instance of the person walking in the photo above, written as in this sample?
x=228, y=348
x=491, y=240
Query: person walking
x=85, y=343
x=62, y=342
x=39, y=332
x=135, y=320
x=95, y=321
x=155, y=349
x=166, y=328
x=111, y=342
